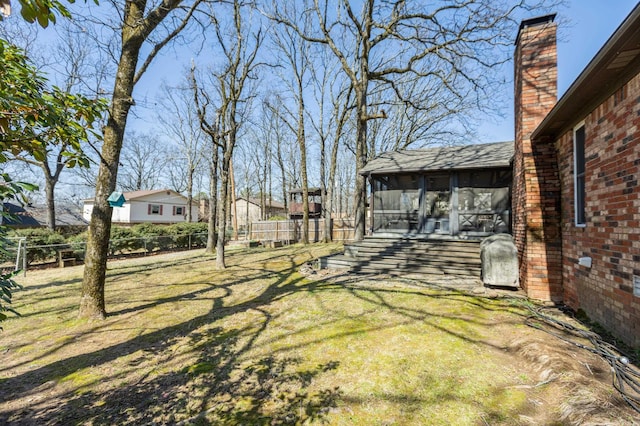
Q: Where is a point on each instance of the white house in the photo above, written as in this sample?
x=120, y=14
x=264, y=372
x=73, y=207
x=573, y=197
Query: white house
x=154, y=206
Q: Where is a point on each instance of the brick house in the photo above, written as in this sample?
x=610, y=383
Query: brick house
x=576, y=199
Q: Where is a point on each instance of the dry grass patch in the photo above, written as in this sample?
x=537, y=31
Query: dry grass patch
x=261, y=343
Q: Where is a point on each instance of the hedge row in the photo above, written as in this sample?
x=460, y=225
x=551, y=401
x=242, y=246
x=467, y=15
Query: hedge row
x=142, y=237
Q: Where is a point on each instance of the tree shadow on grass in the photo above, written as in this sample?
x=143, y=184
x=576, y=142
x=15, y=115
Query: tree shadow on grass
x=215, y=387
x=280, y=288
x=215, y=379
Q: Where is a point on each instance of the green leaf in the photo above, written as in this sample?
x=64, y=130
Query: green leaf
x=28, y=186
x=43, y=20
x=27, y=12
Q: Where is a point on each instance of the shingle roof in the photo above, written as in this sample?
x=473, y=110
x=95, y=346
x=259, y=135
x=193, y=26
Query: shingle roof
x=139, y=194
x=133, y=195
x=36, y=215
x=66, y=215
x=19, y=216
x=480, y=156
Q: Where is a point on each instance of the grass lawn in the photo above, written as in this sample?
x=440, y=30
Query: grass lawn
x=262, y=343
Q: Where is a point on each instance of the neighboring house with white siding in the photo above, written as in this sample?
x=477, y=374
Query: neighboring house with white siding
x=154, y=206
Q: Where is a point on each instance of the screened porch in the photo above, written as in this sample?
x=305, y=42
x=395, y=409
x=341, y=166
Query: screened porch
x=466, y=202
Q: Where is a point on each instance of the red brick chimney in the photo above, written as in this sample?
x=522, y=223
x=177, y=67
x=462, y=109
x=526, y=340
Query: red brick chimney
x=536, y=186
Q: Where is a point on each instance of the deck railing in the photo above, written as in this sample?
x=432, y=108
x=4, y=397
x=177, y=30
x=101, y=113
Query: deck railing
x=291, y=230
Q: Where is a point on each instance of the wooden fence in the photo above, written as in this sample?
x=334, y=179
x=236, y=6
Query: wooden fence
x=291, y=230
x=343, y=229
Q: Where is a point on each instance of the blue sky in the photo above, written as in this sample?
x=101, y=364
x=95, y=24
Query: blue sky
x=584, y=26
x=590, y=24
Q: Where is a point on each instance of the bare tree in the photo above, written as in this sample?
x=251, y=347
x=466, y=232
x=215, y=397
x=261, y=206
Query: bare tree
x=274, y=131
x=139, y=23
x=295, y=57
x=212, y=128
x=181, y=124
x=142, y=162
x=453, y=44
x=253, y=167
x=51, y=166
x=239, y=44
x=266, y=136
x=285, y=154
x=344, y=180
x=333, y=98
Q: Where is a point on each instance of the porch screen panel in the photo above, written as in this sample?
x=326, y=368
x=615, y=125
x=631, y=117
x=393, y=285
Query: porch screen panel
x=483, y=201
x=396, y=203
x=437, y=203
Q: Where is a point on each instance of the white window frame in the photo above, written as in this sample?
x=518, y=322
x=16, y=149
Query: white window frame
x=577, y=209
x=179, y=210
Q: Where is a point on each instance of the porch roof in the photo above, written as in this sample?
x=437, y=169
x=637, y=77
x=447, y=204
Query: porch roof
x=479, y=156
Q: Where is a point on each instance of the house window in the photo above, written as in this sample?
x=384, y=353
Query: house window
x=154, y=209
x=178, y=210
x=579, y=175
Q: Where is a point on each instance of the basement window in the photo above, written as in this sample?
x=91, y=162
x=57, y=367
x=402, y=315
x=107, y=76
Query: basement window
x=579, y=175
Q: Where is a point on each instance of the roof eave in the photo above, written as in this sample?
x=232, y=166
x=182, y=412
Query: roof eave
x=368, y=173
x=602, y=77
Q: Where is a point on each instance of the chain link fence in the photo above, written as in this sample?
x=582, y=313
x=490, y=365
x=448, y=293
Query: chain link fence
x=18, y=254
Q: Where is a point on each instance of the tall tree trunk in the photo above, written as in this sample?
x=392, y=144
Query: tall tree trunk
x=51, y=180
x=283, y=176
x=49, y=186
x=213, y=200
x=303, y=169
x=92, y=304
x=333, y=162
x=234, y=208
x=222, y=210
x=326, y=214
x=361, y=158
x=189, y=192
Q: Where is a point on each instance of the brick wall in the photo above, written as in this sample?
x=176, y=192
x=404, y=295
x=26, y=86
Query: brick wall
x=536, y=187
x=611, y=236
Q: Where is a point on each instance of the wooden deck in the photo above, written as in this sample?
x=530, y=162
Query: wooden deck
x=397, y=256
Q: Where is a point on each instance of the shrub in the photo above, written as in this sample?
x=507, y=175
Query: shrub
x=155, y=237
x=78, y=244
x=123, y=239
x=183, y=230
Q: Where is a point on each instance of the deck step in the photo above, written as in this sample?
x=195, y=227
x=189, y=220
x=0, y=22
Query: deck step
x=395, y=256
